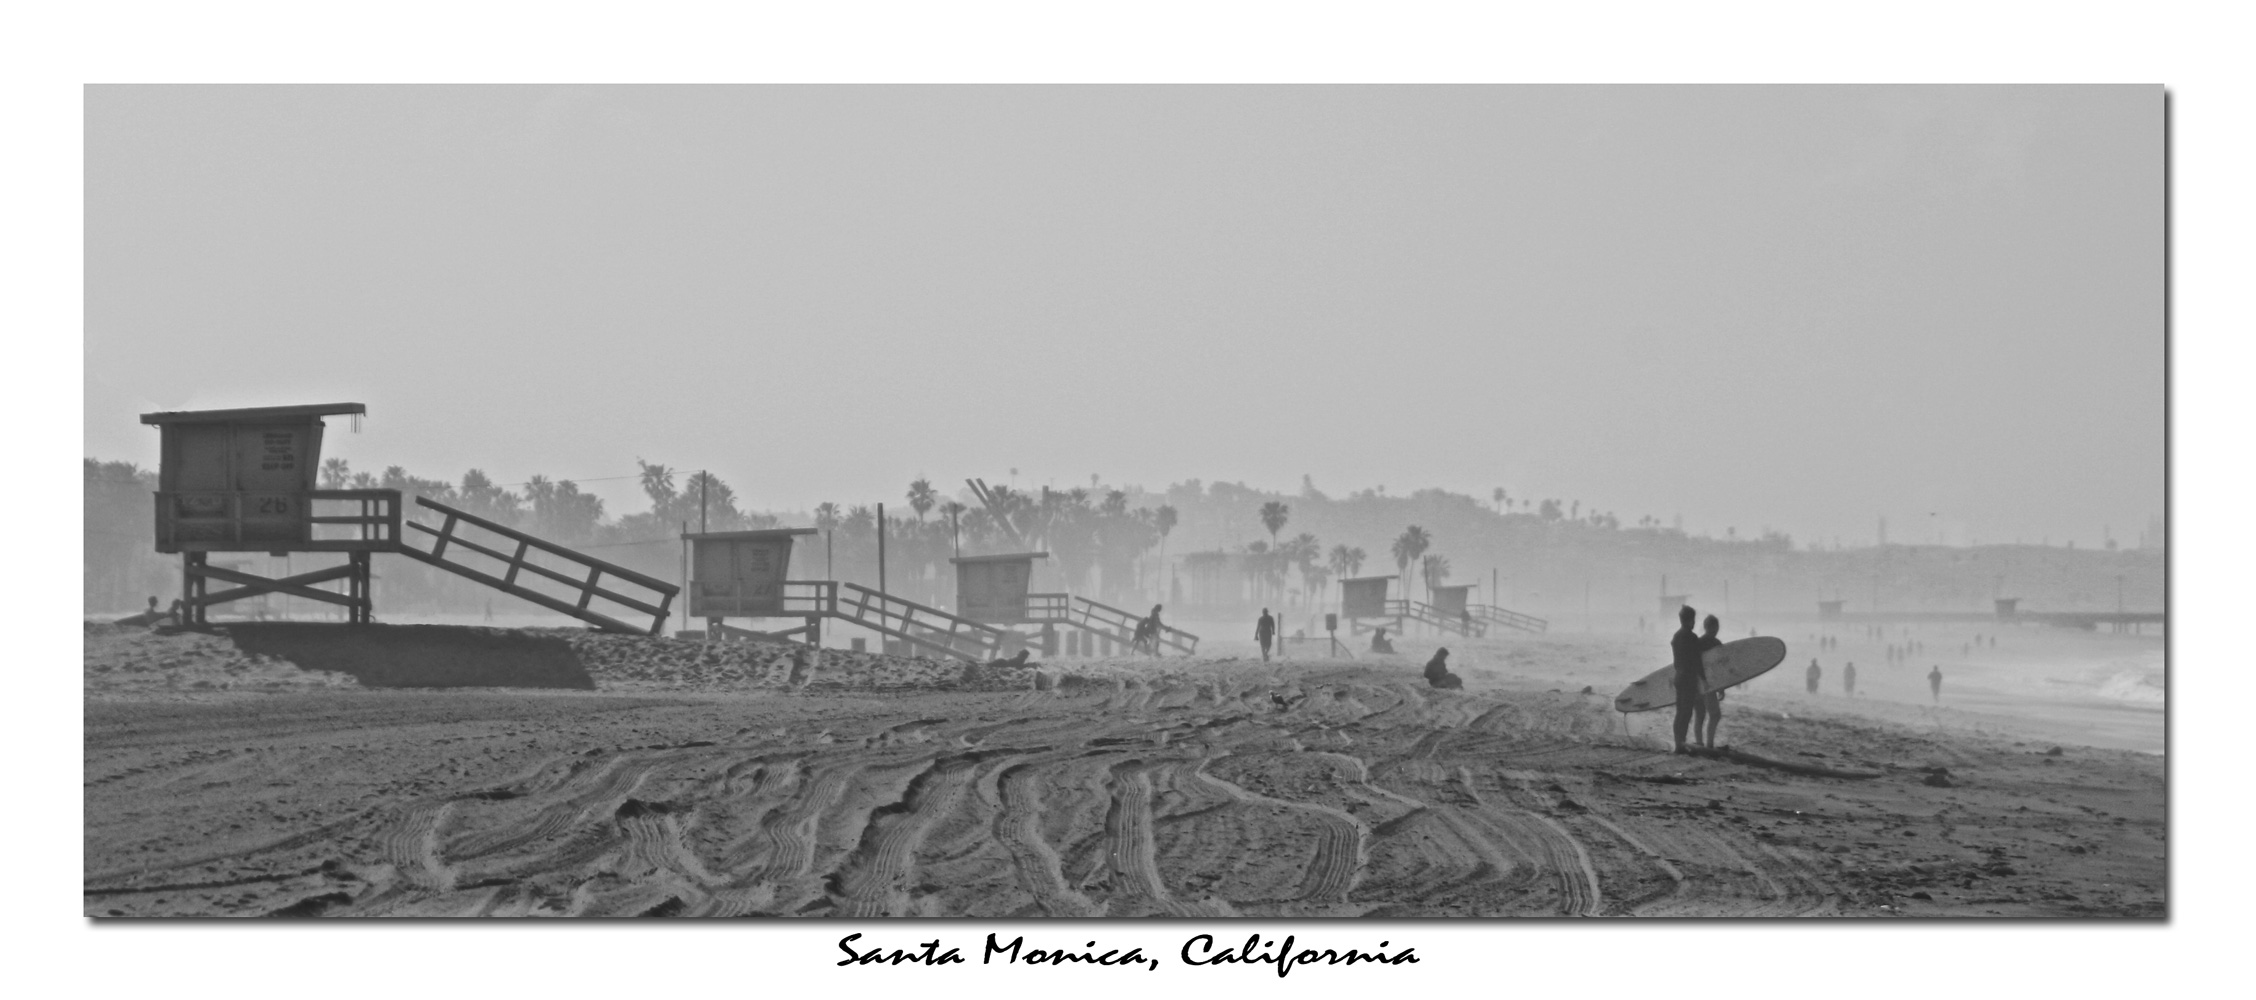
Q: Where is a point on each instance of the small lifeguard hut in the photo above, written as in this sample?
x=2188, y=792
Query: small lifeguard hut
x=1452, y=602
x=740, y=574
x=1365, y=597
x=244, y=480
x=992, y=590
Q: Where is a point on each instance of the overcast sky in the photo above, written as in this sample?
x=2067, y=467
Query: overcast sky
x=1797, y=307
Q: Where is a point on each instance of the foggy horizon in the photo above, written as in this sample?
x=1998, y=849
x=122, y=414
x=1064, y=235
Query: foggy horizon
x=1805, y=308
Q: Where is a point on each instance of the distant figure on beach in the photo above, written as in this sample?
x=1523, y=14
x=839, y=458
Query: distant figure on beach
x=1848, y=680
x=1147, y=633
x=1379, y=644
x=1709, y=710
x=1935, y=683
x=1437, y=672
x=1265, y=630
x=1814, y=674
x=1684, y=650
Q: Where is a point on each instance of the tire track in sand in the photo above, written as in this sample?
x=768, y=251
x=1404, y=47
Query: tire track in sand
x=1579, y=894
x=1036, y=863
x=875, y=880
x=1342, y=846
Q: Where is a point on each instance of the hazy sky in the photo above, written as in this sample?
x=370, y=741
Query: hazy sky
x=1796, y=307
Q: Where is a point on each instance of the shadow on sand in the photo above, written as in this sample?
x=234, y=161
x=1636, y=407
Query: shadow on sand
x=419, y=655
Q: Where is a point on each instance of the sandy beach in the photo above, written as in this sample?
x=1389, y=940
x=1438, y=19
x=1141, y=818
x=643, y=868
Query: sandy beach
x=279, y=771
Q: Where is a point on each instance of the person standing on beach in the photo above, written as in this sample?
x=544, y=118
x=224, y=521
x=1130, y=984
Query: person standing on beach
x=1848, y=680
x=1684, y=649
x=1814, y=674
x=1935, y=683
x=1264, y=630
x=1709, y=712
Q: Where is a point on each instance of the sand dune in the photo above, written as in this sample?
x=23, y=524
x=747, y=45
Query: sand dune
x=750, y=780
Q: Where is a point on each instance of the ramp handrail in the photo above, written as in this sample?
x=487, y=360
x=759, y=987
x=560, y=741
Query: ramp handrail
x=378, y=522
x=444, y=537
x=1510, y=618
x=1122, y=625
x=1422, y=612
x=928, y=627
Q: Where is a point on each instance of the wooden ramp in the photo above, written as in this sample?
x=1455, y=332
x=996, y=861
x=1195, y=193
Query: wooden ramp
x=1103, y=619
x=927, y=628
x=538, y=571
x=1508, y=618
x=1419, y=611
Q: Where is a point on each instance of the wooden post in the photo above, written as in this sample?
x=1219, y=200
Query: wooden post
x=881, y=550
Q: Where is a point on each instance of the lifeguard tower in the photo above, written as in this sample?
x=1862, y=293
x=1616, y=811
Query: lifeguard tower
x=740, y=574
x=243, y=480
x=1364, y=598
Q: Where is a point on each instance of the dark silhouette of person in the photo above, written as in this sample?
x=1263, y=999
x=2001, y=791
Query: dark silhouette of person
x=1848, y=680
x=1148, y=632
x=1814, y=674
x=1709, y=711
x=1379, y=643
x=1684, y=651
x=1264, y=630
x=1935, y=683
x=1437, y=672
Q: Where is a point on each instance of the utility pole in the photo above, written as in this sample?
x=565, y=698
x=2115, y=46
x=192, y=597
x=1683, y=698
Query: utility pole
x=704, y=484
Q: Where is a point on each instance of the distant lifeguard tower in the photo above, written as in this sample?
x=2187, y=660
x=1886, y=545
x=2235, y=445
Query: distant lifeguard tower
x=740, y=574
x=243, y=480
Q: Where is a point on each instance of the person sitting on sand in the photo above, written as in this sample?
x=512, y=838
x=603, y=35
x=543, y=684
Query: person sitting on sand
x=1935, y=683
x=1709, y=711
x=1015, y=661
x=1684, y=650
x=1379, y=644
x=1437, y=672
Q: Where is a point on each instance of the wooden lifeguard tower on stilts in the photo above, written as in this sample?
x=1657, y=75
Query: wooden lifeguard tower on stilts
x=244, y=480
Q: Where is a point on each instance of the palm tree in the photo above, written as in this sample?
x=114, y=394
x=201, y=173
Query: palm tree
x=1164, y=519
x=1500, y=497
x=334, y=474
x=954, y=511
x=826, y=519
x=1408, y=546
x=1345, y=560
x=1436, y=569
x=1273, y=515
x=922, y=496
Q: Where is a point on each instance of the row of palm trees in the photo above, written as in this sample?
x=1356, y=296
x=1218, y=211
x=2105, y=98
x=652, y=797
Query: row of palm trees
x=1088, y=537
x=1268, y=562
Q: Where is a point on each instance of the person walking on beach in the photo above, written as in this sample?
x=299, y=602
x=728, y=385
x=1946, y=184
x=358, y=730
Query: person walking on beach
x=1263, y=631
x=1848, y=680
x=1814, y=674
x=1709, y=712
x=1935, y=683
x=1684, y=649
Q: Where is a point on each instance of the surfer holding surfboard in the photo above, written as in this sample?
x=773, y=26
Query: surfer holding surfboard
x=1707, y=714
x=1685, y=648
